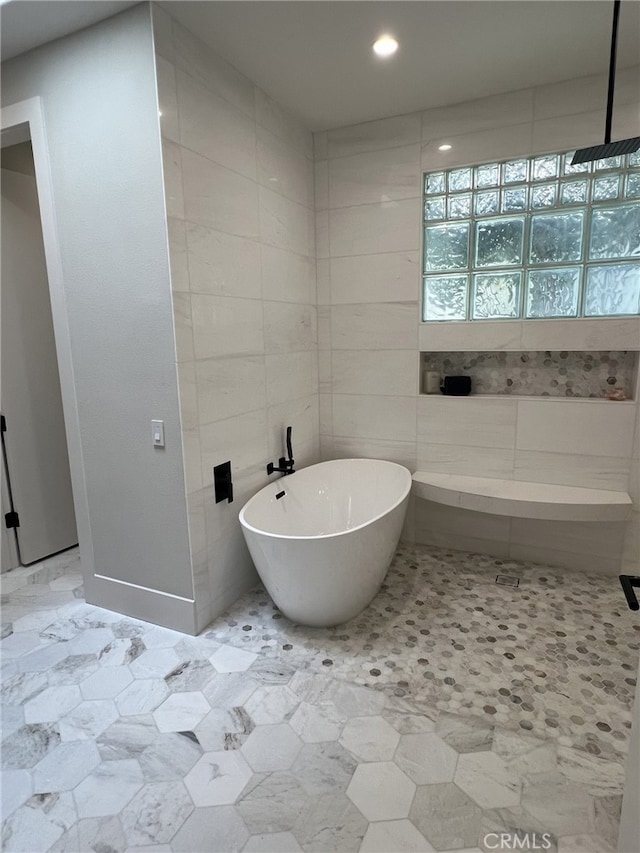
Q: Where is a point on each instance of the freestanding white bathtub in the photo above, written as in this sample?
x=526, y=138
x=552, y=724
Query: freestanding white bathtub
x=323, y=549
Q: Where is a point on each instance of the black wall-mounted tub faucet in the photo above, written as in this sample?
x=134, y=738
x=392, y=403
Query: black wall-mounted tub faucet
x=285, y=466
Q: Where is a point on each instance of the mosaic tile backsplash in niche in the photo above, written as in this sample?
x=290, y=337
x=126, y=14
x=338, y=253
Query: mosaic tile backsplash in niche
x=540, y=374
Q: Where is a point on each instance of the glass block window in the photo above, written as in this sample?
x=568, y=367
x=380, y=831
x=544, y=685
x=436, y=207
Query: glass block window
x=532, y=238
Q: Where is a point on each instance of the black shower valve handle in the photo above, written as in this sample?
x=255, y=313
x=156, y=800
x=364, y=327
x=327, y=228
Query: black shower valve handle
x=289, y=445
x=628, y=582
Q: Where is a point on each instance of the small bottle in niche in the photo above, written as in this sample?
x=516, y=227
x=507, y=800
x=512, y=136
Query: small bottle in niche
x=431, y=381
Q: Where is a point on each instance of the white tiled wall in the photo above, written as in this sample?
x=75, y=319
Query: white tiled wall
x=368, y=196
x=239, y=195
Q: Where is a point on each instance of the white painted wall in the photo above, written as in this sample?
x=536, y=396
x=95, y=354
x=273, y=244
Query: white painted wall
x=239, y=189
x=368, y=190
x=99, y=98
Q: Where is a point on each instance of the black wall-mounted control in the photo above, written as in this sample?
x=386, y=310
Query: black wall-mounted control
x=222, y=482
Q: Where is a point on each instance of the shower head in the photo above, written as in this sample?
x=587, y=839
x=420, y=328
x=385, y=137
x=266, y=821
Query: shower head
x=606, y=149
x=609, y=148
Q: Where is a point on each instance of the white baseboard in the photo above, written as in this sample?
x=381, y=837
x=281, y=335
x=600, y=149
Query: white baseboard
x=150, y=605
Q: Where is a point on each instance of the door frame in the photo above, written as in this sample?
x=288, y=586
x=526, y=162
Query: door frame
x=18, y=123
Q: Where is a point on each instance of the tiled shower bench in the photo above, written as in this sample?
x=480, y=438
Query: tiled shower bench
x=520, y=499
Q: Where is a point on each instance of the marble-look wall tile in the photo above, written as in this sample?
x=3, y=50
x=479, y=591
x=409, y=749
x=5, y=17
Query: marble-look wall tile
x=585, y=129
x=389, y=325
x=212, y=127
x=192, y=459
x=569, y=469
x=284, y=169
x=287, y=277
x=469, y=117
x=188, y=395
x=197, y=526
x=402, y=452
x=467, y=421
x=386, y=372
x=631, y=545
x=200, y=62
x=393, y=277
x=162, y=33
x=282, y=124
x=183, y=326
x=243, y=439
x=323, y=281
x=599, y=540
x=552, y=135
x=482, y=146
x=320, y=146
x=374, y=135
x=374, y=177
x=634, y=481
x=223, y=264
x=498, y=548
x=284, y=223
x=505, y=335
x=324, y=327
x=611, y=334
x=390, y=226
x=496, y=462
x=374, y=417
x=567, y=559
x=223, y=325
x=218, y=198
x=289, y=327
x=228, y=549
x=167, y=99
x=244, y=277
x=325, y=403
x=321, y=184
x=301, y=414
x=452, y=521
x=556, y=100
x=172, y=168
x=322, y=234
x=607, y=431
x=289, y=378
x=229, y=386
x=178, y=254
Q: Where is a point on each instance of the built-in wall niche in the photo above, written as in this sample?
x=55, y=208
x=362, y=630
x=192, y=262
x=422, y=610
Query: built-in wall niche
x=567, y=374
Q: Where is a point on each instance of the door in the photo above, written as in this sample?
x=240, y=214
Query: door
x=35, y=437
x=9, y=553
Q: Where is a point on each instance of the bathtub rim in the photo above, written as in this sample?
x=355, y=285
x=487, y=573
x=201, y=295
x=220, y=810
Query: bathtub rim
x=286, y=537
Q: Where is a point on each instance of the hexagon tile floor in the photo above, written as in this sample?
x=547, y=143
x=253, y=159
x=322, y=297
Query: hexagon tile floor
x=450, y=710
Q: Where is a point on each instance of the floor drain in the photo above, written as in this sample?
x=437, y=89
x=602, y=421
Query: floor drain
x=505, y=580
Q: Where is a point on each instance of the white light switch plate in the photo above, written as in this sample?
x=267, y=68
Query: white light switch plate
x=157, y=433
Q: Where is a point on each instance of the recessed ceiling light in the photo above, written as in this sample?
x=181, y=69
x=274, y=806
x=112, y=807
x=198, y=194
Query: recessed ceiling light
x=385, y=46
x=445, y=147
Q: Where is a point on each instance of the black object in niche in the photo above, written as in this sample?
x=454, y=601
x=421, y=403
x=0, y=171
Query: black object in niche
x=456, y=386
x=222, y=482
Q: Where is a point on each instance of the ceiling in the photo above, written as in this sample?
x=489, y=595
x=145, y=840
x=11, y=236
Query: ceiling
x=315, y=59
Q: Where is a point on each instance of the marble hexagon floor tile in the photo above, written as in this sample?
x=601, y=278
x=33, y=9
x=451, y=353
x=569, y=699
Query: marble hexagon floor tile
x=451, y=708
x=539, y=658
